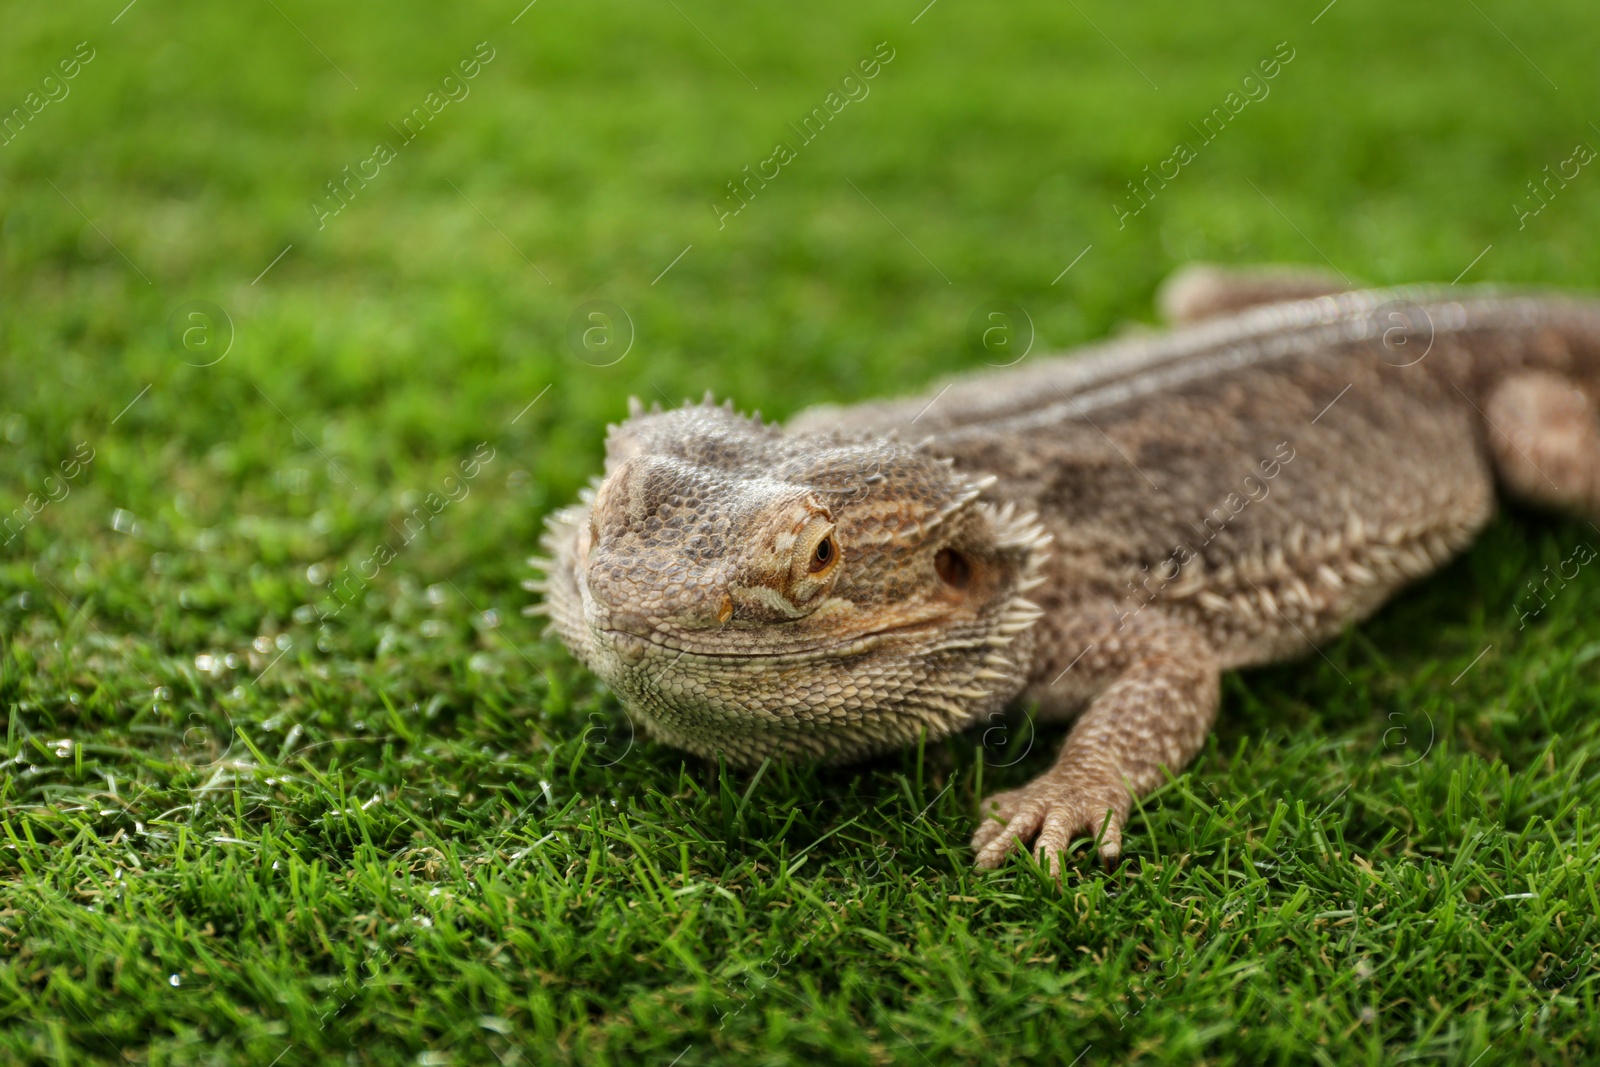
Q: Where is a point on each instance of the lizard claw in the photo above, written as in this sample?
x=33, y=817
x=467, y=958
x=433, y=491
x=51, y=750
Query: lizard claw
x=1050, y=811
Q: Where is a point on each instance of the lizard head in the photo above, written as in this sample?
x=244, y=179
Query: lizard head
x=750, y=593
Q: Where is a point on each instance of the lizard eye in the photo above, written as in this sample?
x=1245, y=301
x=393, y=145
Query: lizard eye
x=815, y=561
x=953, y=568
x=823, y=555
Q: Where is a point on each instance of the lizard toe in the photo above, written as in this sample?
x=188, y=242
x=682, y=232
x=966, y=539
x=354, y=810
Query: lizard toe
x=1066, y=822
x=1055, y=835
x=1111, y=840
x=989, y=829
x=998, y=811
x=994, y=838
x=1048, y=813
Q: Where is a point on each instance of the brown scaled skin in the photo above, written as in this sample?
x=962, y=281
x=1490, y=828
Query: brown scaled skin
x=1101, y=535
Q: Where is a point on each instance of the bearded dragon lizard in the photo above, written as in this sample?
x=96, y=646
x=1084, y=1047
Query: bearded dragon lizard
x=1099, y=536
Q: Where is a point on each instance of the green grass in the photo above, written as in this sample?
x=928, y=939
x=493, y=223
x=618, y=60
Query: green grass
x=419, y=834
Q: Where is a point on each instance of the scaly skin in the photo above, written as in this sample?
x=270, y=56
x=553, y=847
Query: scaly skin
x=1100, y=535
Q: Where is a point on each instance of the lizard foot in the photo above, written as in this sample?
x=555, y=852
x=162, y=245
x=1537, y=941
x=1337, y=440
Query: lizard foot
x=1049, y=811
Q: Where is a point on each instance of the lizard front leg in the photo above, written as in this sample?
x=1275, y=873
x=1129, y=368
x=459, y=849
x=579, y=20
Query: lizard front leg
x=1153, y=686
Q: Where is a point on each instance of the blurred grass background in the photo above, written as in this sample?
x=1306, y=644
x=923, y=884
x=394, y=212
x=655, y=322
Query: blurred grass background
x=418, y=834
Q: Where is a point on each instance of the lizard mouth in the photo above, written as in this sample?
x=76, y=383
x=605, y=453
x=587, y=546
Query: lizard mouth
x=629, y=641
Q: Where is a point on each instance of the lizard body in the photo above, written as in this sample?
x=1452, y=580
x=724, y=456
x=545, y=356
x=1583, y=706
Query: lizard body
x=1101, y=534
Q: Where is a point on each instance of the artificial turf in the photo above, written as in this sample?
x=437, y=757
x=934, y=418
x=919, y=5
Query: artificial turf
x=289, y=780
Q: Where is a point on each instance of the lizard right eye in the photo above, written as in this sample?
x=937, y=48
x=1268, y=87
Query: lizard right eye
x=822, y=556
